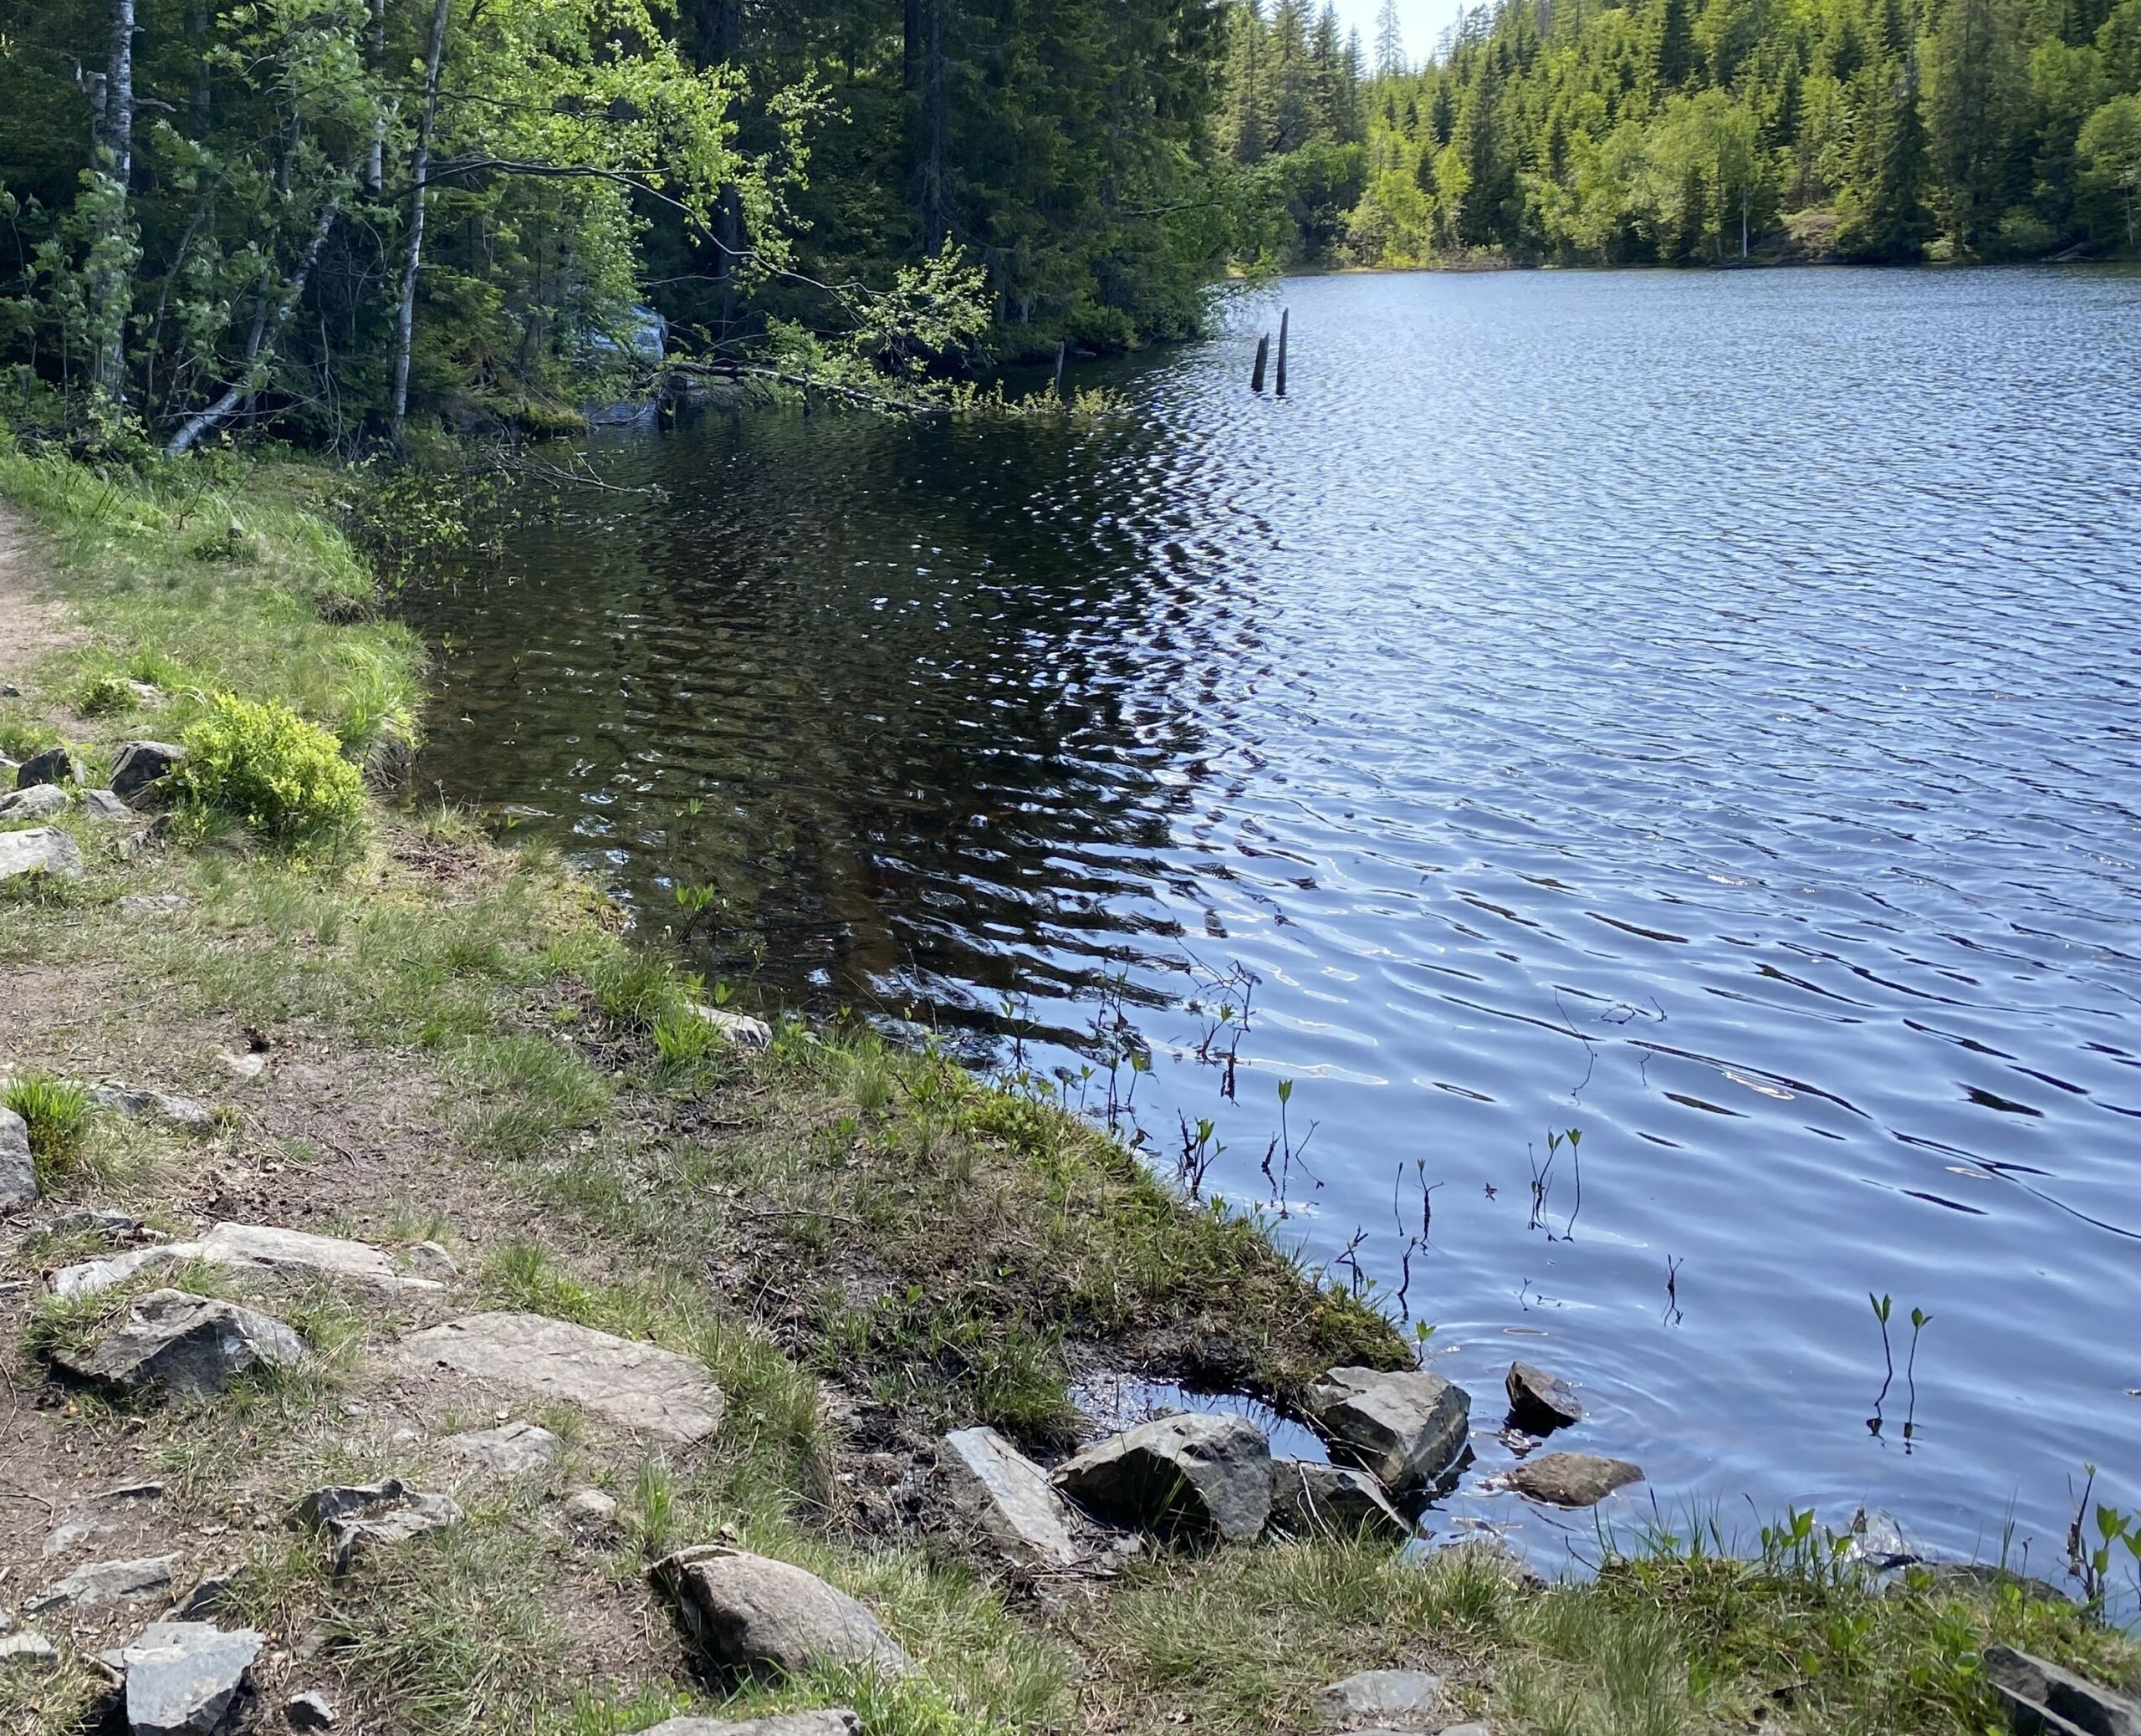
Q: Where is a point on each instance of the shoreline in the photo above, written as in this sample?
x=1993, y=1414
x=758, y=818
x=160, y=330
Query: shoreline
x=440, y=1049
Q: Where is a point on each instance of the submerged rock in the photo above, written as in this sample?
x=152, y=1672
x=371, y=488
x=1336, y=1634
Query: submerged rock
x=1194, y=1473
x=18, y=1167
x=1312, y=1500
x=138, y=766
x=1572, y=1479
x=638, y=1386
x=361, y=1517
x=41, y=850
x=1405, y=1428
x=509, y=1449
x=1009, y=1498
x=1540, y=1402
x=2039, y=1695
x=1379, y=1694
x=185, y=1344
x=751, y=1612
x=186, y=1678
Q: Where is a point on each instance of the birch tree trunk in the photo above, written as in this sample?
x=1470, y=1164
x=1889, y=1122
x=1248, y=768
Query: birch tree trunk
x=112, y=272
x=405, y=316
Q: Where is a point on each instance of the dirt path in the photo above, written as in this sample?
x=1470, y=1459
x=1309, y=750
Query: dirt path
x=30, y=626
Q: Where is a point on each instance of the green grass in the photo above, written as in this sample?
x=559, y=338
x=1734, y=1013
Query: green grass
x=57, y=1113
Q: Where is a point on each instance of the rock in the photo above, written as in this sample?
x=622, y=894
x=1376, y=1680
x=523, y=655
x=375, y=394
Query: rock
x=208, y=1596
x=103, y=1582
x=835, y=1721
x=750, y=1612
x=1313, y=1500
x=308, y=1711
x=138, y=765
x=428, y=1259
x=638, y=1386
x=185, y=1346
x=1491, y=1554
x=55, y=765
x=138, y=1103
x=1009, y=1496
x=41, y=801
x=248, y=1246
x=739, y=1029
x=2041, y=1696
x=103, y=804
x=1572, y=1479
x=28, y=1647
x=1198, y=1473
x=18, y=1168
x=41, y=849
x=96, y=1517
x=245, y=1067
x=1405, y=1428
x=510, y=1449
x=1877, y=1542
x=112, y=1224
x=186, y=1678
x=359, y=1517
x=1467, y=1730
x=154, y=904
x=1379, y=1694
x=1540, y=1402
x=590, y=1507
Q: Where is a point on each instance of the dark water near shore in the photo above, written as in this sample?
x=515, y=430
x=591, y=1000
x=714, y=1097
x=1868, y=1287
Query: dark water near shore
x=1696, y=709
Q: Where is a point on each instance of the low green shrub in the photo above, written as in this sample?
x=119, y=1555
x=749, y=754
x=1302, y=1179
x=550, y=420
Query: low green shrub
x=56, y=1112
x=105, y=695
x=263, y=764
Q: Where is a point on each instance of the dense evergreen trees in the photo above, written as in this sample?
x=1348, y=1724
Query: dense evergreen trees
x=1708, y=131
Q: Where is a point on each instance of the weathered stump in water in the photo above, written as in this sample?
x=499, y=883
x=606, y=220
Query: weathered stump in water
x=1256, y=373
x=1282, y=352
x=1061, y=345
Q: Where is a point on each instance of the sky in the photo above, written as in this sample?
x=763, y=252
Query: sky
x=1424, y=20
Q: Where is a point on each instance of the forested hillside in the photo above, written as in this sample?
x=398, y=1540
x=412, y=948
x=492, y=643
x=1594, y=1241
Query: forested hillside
x=1709, y=130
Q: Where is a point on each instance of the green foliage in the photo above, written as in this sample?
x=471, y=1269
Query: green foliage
x=55, y=1110
x=259, y=762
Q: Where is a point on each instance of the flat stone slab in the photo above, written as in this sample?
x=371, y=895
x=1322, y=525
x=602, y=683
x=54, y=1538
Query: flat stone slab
x=751, y=1612
x=184, y=1678
x=1574, y=1480
x=1404, y=1694
x=2030, y=1686
x=137, y=1103
x=185, y=1346
x=105, y=1582
x=41, y=849
x=1008, y=1498
x=247, y=1247
x=18, y=1168
x=637, y=1385
x=836, y=1721
x=510, y=1449
x=1193, y=1471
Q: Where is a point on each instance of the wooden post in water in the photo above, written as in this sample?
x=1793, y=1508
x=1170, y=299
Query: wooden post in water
x=1282, y=351
x=1061, y=345
x=1256, y=373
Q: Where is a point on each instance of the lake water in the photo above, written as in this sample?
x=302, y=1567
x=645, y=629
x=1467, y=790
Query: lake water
x=1698, y=710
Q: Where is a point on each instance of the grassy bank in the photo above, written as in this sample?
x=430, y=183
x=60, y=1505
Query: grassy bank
x=861, y=1244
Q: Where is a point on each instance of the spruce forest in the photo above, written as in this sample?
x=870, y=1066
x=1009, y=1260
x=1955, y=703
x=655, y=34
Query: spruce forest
x=344, y=217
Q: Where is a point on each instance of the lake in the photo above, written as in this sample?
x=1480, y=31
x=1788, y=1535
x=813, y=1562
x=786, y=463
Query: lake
x=1698, y=710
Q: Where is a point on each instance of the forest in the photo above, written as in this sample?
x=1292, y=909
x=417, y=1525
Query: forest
x=342, y=218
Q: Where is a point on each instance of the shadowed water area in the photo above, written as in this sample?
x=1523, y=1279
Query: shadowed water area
x=1699, y=710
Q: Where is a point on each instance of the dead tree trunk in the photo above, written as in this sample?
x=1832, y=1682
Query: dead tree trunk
x=113, y=276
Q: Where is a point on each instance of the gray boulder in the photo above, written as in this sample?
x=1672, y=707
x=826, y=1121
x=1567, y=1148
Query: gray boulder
x=40, y=850
x=1312, y=1500
x=590, y=1507
x=139, y=1104
x=1187, y=1472
x=41, y=801
x=105, y=1582
x=186, y=1678
x=1008, y=1498
x=103, y=804
x=1572, y=1479
x=18, y=1168
x=2041, y=1696
x=1405, y=1695
x=138, y=765
x=55, y=765
x=637, y=1385
x=185, y=1345
x=363, y=1517
x=1540, y=1402
x=210, y=1594
x=510, y=1449
x=752, y=1613
x=28, y=1647
x=836, y=1721
x=1406, y=1428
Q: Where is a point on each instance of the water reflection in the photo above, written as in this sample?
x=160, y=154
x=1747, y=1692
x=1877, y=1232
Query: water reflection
x=1696, y=711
